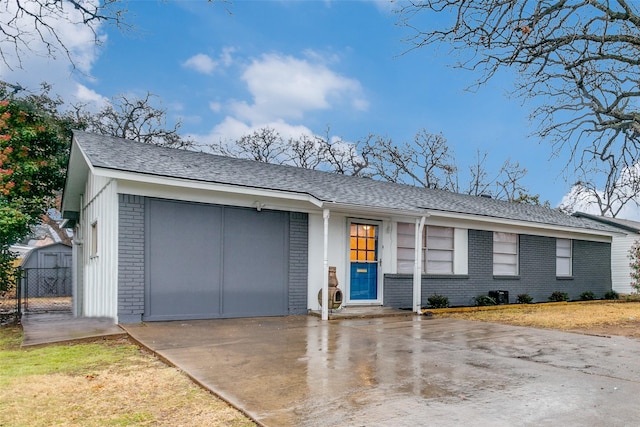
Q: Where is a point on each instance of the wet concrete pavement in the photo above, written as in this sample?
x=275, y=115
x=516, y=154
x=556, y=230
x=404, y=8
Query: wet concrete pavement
x=47, y=328
x=397, y=371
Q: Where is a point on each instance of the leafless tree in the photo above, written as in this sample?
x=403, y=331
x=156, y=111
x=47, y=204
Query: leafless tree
x=425, y=162
x=133, y=118
x=262, y=145
x=25, y=23
x=618, y=190
x=347, y=158
x=310, y=152
x=579, y=59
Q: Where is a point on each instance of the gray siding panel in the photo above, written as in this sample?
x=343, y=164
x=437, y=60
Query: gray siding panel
x=255, y=262
x=210, y=261
x=537, y=275
x=130, y=258
x=183, y=260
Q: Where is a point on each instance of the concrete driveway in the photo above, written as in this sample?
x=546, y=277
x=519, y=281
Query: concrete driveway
x=399, y=371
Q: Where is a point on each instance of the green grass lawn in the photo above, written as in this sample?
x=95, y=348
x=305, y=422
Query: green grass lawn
x=104, y=383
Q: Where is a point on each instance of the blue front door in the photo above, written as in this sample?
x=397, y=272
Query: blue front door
x=364, y=262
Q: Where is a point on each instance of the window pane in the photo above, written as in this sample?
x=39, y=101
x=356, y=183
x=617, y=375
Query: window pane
x=439, y=267
x=504, y=269
x=440, y=256
x=563, y=257
x=505, y=254
x=371, y=244
x=439, y=250
x=504, y=248
x=405, y=249
x=563, y=267
x=433, y=231
x=505, y=237
x=362, y=243
x=504, y=259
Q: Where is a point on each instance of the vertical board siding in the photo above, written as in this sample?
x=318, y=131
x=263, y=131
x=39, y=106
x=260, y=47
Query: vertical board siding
x=101, y=272
x=620, y=270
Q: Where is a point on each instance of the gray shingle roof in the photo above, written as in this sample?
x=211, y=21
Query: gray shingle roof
x=124, y=155
x=623, y=224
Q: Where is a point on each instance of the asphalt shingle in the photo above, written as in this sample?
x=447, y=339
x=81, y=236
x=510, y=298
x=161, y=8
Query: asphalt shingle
x=124, y=155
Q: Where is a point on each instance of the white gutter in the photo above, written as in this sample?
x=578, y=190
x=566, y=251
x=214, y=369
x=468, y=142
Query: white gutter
x=325, y=267
x=417, y=265
x=204, y=185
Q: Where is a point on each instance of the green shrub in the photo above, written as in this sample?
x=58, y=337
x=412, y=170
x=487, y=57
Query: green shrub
x=559, y=296
x=524, y=299
x=611, y=295
x=587, y=296
x=484, y=300
x=438, y=301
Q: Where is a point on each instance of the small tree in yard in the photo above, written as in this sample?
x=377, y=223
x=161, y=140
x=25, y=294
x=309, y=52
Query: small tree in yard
x=634, y=256
x=33, y=148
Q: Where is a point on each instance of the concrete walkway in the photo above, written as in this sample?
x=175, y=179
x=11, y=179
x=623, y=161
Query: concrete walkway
x=48, y=328
x=392, y=371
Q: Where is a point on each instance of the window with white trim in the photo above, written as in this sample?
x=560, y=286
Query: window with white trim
x=437, y=249
x=406, y=247
x=563, y=257
x=505, y=254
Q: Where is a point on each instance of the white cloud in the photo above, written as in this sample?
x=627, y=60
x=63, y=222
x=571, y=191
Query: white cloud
x=88, y=96
x=205, y=64
x=201, y=63
x=286, y=88
x=35, y=65
x=225, y=56
x=232, y=129
x=587, y=201
x=79, y=39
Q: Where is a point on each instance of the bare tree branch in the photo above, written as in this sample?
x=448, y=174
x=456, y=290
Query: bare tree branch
x=136, y=119
x=580, y=59
x=26, y=25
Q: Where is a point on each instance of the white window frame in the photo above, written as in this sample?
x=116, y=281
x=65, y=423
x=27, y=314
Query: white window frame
x=564, y=257
x=405, y=247
x=506, y=248
x=440, y=252
x=434, y=255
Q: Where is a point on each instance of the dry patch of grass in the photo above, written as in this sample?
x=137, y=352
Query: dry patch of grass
x=570, y=316
x=110, y=383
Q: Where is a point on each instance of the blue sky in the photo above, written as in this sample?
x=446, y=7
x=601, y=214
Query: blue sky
x=298, y=66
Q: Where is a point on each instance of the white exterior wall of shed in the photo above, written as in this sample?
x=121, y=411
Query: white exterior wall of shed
x=620, y=270
x=100, y=272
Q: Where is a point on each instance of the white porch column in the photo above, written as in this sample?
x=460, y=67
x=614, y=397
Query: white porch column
x=325, y=267
x=417, y=266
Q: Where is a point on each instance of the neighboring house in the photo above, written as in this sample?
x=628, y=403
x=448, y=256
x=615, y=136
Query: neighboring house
x=165, y=234
x=620, y=247
x=46, y=271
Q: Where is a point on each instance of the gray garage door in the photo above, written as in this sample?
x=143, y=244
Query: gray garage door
x=208, y=261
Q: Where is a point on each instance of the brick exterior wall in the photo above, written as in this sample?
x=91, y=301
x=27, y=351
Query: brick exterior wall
x=537, y=273
x=298, y=262
x=130, y=258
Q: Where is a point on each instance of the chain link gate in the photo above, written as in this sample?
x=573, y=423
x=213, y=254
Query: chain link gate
x=45, y=290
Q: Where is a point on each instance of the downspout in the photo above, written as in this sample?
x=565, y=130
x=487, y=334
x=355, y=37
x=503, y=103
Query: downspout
x=325, y=267
x=417, y=266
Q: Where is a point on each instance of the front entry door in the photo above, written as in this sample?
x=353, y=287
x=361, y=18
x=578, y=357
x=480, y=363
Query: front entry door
x=364, y=262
